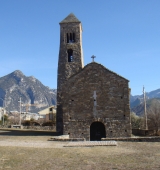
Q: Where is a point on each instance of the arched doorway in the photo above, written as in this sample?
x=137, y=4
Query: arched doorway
x=97, y=131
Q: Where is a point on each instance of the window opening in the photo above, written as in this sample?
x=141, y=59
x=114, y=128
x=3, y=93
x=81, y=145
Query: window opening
x=67, y=38
x=70, y=55
x=73, y=40
x=50, y=109
x=70, y=37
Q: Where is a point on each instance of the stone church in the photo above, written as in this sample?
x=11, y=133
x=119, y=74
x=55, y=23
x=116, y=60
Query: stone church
x=92, y=101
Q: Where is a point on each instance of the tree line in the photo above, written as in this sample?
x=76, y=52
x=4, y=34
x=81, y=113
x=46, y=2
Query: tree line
x=153, y=119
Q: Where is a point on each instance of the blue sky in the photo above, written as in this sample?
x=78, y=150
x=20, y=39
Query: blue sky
x=124, y=35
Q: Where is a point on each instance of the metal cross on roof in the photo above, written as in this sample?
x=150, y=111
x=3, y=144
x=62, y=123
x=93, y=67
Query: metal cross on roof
x=93, y=58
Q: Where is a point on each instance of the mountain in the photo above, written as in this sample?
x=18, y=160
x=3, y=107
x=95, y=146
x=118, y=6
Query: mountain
x=32, y=91
x=154, y=94
x=136, y=102
x=138, y=99
x=139, y=109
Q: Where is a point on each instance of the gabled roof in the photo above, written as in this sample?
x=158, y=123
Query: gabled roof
x=95, y=63
x=70, y=18
x=106, y=69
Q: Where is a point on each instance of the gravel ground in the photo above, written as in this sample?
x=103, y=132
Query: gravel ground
x=30, y=141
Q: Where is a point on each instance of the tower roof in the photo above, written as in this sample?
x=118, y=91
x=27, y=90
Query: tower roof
x=70, y=18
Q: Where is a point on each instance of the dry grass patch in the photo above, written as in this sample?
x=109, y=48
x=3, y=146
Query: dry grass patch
x=127, y=155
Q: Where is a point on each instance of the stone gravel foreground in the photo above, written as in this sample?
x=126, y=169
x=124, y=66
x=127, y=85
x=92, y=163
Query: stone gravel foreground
x=45, y=142
x=37, y=144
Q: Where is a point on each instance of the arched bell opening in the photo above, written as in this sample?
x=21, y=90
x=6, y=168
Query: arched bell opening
x=97, y=131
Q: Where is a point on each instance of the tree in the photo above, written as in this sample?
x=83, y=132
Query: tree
x=32, y=119
x=5, y=118
x=154, y=117
x=136, y=121
x=14, y=118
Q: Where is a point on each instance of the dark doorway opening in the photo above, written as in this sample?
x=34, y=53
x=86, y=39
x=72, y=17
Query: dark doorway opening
x=97, y=131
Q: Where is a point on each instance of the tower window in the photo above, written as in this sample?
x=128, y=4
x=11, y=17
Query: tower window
x=70, y=40
x=67, y=38
x=70, y=55
x=70, y=37
x=73, y=37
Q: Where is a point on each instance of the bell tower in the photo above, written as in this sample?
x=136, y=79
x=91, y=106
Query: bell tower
x=70, y=59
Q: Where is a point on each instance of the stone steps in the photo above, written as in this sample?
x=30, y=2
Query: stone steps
x=91, y=143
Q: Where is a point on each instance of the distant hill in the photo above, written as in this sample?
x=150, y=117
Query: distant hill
x=16, y=85
x=135, y=103
x=138, y=99
x=139, y=109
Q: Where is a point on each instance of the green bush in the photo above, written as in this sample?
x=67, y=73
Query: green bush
x=136, y=121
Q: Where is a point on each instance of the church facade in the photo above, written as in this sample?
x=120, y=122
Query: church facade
x=92, y=101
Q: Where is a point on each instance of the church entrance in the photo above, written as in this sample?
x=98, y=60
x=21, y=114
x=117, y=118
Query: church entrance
x=97, y=131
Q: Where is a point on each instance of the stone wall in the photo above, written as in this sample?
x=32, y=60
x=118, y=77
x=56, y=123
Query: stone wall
x=32, y=127
x=67, y=69
x=110, y=106
x=4, y=126
x=143, y=132
x=40, y=127
x=135, y=139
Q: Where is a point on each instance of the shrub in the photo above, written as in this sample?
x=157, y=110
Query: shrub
x=49, y=123
x=136, y=121
x=30, y=123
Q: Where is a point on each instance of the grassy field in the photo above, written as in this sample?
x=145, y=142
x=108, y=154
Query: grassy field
x=36, y=153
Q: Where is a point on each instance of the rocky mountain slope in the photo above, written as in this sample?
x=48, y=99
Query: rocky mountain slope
x=138, y=99
x=32, y=91
x=137, y=103
x=150, y=103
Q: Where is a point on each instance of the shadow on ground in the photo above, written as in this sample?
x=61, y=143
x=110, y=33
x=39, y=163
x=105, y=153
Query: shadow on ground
x=15, y=132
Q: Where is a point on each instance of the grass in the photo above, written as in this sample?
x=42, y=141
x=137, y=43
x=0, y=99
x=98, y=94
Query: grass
x=125, y=156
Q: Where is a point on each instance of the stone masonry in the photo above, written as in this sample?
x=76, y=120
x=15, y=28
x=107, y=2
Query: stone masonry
x=93, y=102
x=70, y=49
x=111, y=108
